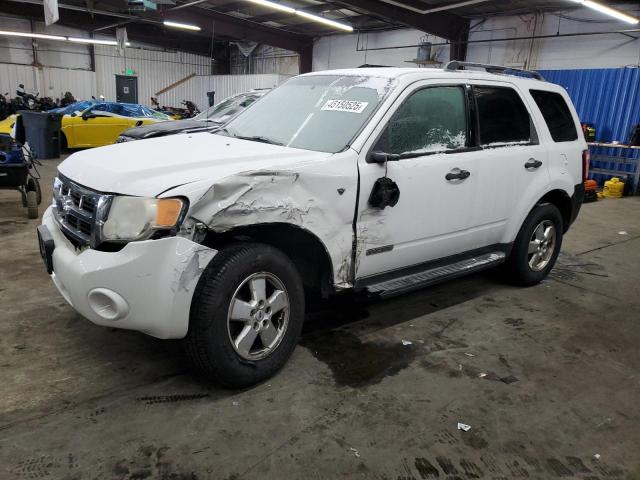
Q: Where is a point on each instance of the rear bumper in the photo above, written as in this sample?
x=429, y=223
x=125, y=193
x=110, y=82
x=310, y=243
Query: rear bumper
x=576, y=201
x=147, y=286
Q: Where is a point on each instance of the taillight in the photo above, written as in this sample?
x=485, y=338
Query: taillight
x=586, y=157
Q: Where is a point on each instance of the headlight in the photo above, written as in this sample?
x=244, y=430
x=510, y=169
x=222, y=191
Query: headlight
x=137, y=218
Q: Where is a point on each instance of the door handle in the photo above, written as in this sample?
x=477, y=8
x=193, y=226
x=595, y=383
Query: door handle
x=532, y=164
x=457, y=174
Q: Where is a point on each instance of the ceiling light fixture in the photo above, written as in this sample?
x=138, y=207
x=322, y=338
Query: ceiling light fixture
x=60, y=38
x=326, y=21
x=612, y=12
x=302, y=13
x=274, y=5
x=184, y=26
x=31, y=35
x=94, y=41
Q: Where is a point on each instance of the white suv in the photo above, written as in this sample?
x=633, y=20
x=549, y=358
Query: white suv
x=382, y=180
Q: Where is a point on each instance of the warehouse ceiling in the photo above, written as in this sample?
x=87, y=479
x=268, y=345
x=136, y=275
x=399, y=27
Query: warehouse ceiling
x=233, y=20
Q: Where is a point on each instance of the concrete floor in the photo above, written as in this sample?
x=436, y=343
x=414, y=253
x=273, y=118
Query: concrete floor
x=547, y=378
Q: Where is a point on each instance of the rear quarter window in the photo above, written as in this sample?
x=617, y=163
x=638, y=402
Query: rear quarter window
x=503, y=117
x=556, y=114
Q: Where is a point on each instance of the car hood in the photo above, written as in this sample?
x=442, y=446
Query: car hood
x=165, y=128
x=150, y=167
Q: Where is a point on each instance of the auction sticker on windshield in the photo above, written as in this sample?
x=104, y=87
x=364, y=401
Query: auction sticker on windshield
x=352, y=106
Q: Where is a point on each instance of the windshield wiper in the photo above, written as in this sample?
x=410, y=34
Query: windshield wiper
x=257, y=138
x=224, y=131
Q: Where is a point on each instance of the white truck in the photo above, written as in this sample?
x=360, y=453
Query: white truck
x=381, y=180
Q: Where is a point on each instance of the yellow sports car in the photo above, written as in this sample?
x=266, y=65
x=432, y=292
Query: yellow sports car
x=6, y=125
x=93, y=124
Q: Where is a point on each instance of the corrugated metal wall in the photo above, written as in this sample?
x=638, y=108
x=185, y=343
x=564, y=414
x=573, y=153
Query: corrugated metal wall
x=11, y=75
x=610, y=99
x=155, y=70
x=264, y=59
x=50, y=82
x=227, y=85
x=53, y=82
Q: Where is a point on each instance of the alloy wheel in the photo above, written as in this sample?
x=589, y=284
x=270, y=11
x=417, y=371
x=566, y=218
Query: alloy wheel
x=541, y=245
x=258, y=316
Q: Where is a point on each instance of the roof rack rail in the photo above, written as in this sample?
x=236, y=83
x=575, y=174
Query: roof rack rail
x=457, y=65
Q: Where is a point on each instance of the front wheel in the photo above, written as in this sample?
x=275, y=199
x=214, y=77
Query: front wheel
x=246, y=315
x=537, y=246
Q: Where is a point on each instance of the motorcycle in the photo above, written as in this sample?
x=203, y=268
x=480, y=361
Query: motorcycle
x=5, y=107
x=47, y=103
x=190, y=109
x=67, y=99
x=25, y=100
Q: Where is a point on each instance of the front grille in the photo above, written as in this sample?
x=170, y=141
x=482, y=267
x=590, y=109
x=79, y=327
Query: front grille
x=79, y=211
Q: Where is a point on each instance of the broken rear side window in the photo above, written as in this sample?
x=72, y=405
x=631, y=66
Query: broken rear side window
x=503, y=117
x=431, y=120
x=557, y=115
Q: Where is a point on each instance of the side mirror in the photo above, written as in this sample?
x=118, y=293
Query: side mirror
x=382, y=157
x=74, y=114
x=88, y=115
x=377, y=157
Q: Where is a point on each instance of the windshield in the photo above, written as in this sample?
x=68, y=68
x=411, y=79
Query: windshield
x=316, y=112
x=227, y=108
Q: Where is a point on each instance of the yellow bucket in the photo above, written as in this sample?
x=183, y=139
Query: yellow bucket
x=613, y=188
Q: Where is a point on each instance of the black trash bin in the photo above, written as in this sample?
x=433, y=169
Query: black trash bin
x=43, y=132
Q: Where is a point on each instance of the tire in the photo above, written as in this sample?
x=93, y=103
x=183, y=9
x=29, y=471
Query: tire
x=38, y=191
x=212, y=345
x=32, y=204
x=34, y=184
x=522, y=267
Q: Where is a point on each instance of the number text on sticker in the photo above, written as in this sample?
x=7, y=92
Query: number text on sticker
x=352, y=106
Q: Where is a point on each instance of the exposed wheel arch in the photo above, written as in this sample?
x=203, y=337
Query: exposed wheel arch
x=562, y=201
x=303, y=247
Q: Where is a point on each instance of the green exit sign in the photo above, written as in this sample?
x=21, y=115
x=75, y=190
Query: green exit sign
x=129, y=71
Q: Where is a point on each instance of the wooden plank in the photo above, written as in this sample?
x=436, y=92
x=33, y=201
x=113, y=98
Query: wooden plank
x=175, y=84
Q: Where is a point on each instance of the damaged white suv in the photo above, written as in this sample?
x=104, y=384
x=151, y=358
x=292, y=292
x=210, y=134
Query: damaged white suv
x=381, y=180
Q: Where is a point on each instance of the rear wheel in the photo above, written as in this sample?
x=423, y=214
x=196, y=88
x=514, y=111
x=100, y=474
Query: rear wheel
x=537, y=246
x=246, y=315
x=32, y=204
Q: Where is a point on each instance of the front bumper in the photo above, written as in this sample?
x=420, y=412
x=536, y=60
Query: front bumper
x=146, y=286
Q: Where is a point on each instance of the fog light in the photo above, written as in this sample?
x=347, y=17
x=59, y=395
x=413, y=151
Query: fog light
x=107, y=304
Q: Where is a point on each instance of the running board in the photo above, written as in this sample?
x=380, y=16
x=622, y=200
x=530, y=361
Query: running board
x=434, y=275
